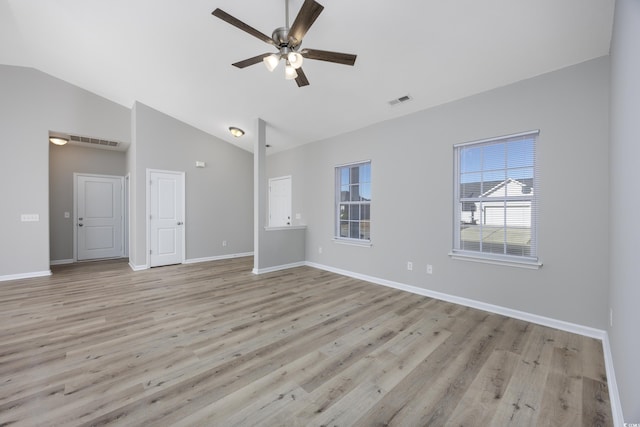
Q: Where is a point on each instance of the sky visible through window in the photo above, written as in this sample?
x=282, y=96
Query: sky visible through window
x=497, y=162
x=359, y=176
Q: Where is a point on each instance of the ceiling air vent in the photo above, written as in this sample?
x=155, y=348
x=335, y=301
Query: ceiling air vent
x=400, y=100
x=94, y=141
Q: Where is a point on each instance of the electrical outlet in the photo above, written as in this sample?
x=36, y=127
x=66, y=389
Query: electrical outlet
x=319, y=249
x=429, y=269
x=409, y=265
x=224, y=243
x=611, y=317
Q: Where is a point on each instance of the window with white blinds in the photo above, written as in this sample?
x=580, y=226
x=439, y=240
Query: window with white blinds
x=353, y=202
x=495, y=198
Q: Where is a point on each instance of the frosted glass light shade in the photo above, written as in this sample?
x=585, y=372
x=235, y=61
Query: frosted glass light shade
x=237, y=132
x=271, y=61
x=290, y=72
x=295, y=59
x=57, y=140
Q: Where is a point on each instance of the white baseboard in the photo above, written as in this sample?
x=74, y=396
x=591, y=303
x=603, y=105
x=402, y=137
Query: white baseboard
x=138, y=267
x=25, y=275
x=61, y=261
x=278, y=267
x=217, y=258
x=602, y=335
x=505, y=311
x=612, y=384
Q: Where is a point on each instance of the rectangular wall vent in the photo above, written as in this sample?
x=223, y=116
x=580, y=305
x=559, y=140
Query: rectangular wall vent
x=94, y=141
x=400, y=100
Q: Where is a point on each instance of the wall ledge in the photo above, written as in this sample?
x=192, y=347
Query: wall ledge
x=288, y=227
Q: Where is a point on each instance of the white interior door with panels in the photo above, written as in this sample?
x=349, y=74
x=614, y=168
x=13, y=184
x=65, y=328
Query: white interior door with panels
x=166, y=212
x=280, y=201
x=99, y=216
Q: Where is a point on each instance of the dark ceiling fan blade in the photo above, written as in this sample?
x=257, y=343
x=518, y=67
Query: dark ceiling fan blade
x=325, y=55
x=241, y=25
x=250, y=61
x=301, y=79
x=309, y=12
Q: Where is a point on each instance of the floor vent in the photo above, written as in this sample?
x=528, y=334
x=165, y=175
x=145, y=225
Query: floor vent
x=400, y=100
x=95, y=141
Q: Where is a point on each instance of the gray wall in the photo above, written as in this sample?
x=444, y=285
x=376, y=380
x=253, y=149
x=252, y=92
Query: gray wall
x=412, y=173
x=274, y=248
x=32, y=104
x=63, y=163
x=624, y=226
x=219, y=198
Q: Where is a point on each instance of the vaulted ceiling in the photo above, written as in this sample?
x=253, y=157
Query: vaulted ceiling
x=174, y=56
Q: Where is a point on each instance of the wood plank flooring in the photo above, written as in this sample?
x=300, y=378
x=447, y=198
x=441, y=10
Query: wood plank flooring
x=211, y=344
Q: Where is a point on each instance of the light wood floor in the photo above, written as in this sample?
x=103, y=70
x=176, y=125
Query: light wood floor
x=211, y=344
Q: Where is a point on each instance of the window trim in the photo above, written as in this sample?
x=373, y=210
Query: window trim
x=336, y=229
x=531, y=262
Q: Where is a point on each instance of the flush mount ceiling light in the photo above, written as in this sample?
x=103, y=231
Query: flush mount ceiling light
x=288, y=40
x=237, y=132
x=58, y=140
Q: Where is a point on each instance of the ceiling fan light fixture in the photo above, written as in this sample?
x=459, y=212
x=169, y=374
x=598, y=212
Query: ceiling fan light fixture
x=236, y=132
x=295, y=59
x=290, y=72
x=271, y=61
x=58, y=140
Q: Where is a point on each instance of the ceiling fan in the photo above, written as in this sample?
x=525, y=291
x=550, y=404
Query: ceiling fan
x=288, y=40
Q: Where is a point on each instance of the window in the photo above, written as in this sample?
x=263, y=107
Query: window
x=353, y=202
x=495, y=199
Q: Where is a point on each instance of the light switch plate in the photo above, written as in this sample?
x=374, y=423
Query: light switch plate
x=30, y=217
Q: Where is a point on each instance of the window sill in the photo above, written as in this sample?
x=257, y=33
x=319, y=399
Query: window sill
x=353, y=242
x=286, y=227
x=497, y=260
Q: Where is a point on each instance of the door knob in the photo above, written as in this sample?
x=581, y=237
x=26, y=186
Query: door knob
x=79, y=225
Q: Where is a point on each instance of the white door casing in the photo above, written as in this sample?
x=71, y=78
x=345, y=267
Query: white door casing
x=98, y=216
x=166, y=212
x=280, y=201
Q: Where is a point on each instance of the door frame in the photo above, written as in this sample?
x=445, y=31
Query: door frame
x=124, y=213
x=279, y=178
x=148, y=212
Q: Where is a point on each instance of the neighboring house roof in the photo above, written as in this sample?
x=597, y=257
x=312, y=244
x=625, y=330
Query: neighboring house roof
x=505, y=183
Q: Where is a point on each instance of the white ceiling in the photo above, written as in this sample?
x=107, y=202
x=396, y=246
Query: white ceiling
x=174, y=56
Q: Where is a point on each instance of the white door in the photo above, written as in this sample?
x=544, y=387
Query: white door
x=166, y=217
x=99, y=217
x=280, y=201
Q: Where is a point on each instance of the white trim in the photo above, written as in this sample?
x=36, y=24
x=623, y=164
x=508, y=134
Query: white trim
x=352, y=242
x=217, y=258
x=498, y=138
x=138, y=267
x=279, y=178
x=495, y=260
x=25, y=275
x=286, y=227
x=352, y=163
x=127, y=213
x=123, y=213
x=516, y=314
x=279, y=267
x=612, y=385
x=61, y=261
x=183, y=207
x=587, y=331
